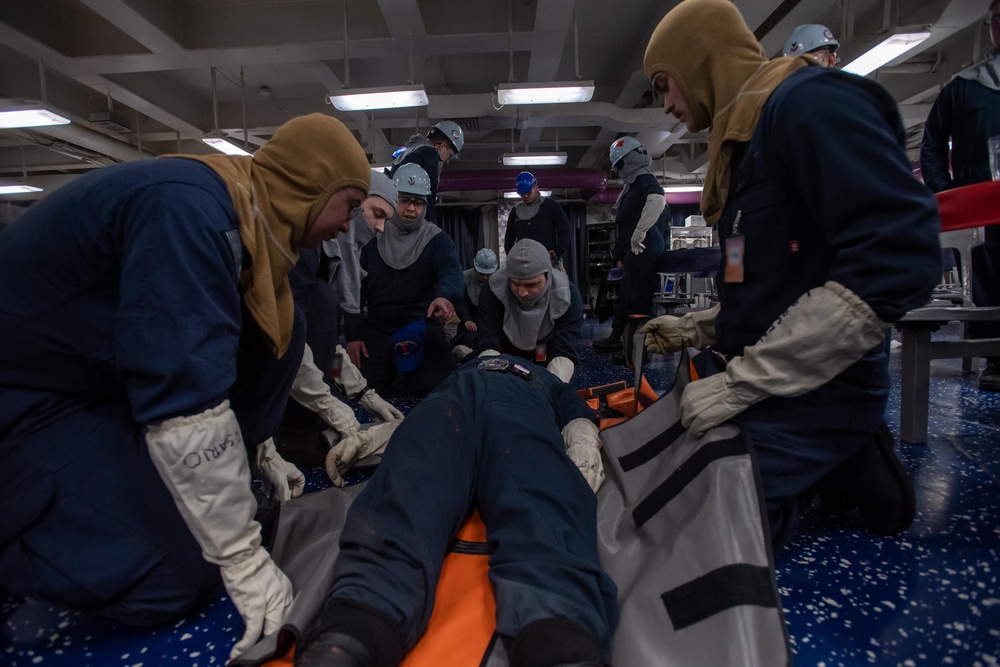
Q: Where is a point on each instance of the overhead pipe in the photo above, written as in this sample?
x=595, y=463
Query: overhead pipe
x=609, y=196
x=589, y=182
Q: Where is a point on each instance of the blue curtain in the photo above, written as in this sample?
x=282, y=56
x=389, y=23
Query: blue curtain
x=463, y=225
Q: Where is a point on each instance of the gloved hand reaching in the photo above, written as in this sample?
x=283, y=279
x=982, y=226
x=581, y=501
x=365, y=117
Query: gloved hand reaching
x=261, y=593
x=651, y=210
x=353, y=383
x=311, y=391
x=378, y=407
x=583, y=446
x=212, y=493
x=818, y=337
x=279, y=475
x=668, y=334
x=638, y=236
x=367, y=442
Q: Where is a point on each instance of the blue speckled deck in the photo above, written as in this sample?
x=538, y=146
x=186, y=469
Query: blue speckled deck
x=928, y=597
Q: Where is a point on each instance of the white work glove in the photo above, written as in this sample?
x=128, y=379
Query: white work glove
x=311, y=391
x=367, y=442
x=820, y=335
x=668, y=333
x=287, y=481
x=490, y=353
x=562, y=368
x=651, y=211
x=203, y=463
x=583, y=446
x=378, y=407
x=353, y=383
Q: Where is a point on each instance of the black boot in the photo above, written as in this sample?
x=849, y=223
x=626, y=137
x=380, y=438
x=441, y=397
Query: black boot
x=351, y=634
x=332, y=649
x=555, y=642
x=989, y=379
x=612, y=342
x=872, y=485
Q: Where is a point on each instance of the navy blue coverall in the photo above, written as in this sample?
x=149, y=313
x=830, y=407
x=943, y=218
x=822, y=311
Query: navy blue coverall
x=814, y=205
x=492, y=441
x=635, y=296
x=564, y=340
x=119, y=308
x=967, y=113
x=550, y=227
x=394, y=298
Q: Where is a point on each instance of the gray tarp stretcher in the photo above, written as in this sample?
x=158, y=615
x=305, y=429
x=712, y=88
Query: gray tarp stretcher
x=681, y=530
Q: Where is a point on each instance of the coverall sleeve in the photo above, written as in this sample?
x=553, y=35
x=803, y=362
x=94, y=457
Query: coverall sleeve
x=450, y=284
x=882, y=222
x=462, y=308
x=490, y=321
x=353, y=321
x=566, y=338
x=563, y=231
x=510, y=236
x=178, y=322
x=934, y=151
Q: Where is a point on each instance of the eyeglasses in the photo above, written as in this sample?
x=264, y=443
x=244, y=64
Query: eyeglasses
x=410, y=201
x=992, y=19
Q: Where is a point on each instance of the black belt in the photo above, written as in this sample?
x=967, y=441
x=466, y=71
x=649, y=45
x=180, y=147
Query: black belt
x=500, y=365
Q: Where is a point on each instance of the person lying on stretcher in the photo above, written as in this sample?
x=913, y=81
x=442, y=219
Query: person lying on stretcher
x=506, y=437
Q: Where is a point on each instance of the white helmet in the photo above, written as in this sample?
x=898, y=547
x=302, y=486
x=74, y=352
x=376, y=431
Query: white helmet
x=485, y=261
x=809, y=37
x=452, y=132
x=622, y=147
x=411, y=178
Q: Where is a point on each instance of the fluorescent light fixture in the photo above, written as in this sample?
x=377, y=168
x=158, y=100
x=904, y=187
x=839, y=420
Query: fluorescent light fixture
x=682, y=188
x=220, y=141
x=885, y=52
x=30, y=117
x=513, y=195
x=390, y=97
x=545, y=93
x=17, y=188
x=526, y=159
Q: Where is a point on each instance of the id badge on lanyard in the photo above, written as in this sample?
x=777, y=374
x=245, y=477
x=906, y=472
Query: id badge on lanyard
x=734, y=253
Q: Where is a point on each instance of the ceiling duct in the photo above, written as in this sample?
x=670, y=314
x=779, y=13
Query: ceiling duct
x=110, y=121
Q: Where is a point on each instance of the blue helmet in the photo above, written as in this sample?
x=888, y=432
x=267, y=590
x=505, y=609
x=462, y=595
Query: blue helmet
x=485, y=261
x=525, y=181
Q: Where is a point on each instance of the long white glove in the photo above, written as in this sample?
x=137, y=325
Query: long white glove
x=353, y=383
x=285, y=479
x=311, y=391
x=203, y=463
x=562, y=368
x=818, y=337
x=357, y=446
x=668, y=333
x=583, y=446
x=651, y=211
